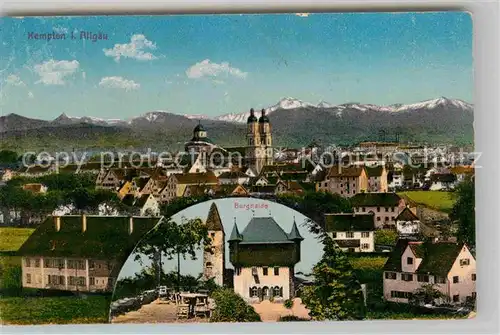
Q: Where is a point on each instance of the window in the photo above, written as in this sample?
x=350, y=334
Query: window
x=365, y=246
x=264, y=271
x=386, y=218
x=353, y=191
x=455, y=279
x=212, y=235
x=341, y=185
x=28, y=278
x=253, y=292
x=334, y=235
x=365, y=234
x=364, y=209
x=92, y=281
x=277, y=291
x=409, y=260
x=353, y=185
x=474, y=295
x=464, y=261
x=387, y=209
x=456, y=298
x=37, y=262
x=378, y=218
x=209, y=264
x=392, y=209
x=473, y=277
x=27, y=262
x=401, y=295
x=390, y=275
x=407, y=277
x=378, y=209
x=276, y=271
x=423, y=278
x=440, y=280
x=91, y=265
x=349, y=234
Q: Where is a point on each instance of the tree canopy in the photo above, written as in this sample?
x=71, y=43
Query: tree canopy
x=464, y=211
x=336, y=293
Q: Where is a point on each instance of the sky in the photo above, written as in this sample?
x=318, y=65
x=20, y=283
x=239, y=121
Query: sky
x=219, y=64
x=229, y=210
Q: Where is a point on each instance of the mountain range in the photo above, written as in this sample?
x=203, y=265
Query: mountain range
x=294, y=122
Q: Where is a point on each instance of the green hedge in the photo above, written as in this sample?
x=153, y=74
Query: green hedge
x=230, y=307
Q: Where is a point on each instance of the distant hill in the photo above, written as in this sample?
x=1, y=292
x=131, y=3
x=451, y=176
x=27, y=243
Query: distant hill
x=294, y=123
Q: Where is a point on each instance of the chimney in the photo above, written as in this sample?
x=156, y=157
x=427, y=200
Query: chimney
x=131, y=225
x=57, y=222
x=84, y=223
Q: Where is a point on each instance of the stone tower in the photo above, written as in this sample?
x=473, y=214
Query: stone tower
x=259, y=150
x=214, y=256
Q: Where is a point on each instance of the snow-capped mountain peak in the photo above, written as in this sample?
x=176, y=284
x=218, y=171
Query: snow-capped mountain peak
x=289, y=103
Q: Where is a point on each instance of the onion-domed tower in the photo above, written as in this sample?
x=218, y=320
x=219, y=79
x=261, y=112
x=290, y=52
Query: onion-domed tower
x=258, y=152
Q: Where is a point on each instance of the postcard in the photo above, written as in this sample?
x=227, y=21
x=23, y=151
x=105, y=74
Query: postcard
x=237, y=168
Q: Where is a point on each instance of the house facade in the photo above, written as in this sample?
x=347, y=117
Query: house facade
x=450, y=267
x=407, y=223
x=346, y=181
x=80, y=252
x=385, y=207
x=264, y=257
x=352, y=232
x=377, y=178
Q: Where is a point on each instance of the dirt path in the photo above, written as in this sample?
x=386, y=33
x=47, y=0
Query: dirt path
x=155, y=312
x=271, y=312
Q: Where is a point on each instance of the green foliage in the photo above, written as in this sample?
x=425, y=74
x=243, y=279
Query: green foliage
x=230, y=307
x=386, y=237
x=288, y=304
x=336, y=293
x=314, y=205
x=55, y=310
x=291, y=318
x=426, y=294
x=178, y=204
x=10, y=280
x=8, y=157
x=464, y=212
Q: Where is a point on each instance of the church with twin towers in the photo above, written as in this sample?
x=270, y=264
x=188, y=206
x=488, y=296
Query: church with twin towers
x=258, y=151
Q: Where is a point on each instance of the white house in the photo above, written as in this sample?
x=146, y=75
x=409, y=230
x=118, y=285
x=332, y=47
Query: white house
x=450, y=267
x=407, y=223
x=352, y=232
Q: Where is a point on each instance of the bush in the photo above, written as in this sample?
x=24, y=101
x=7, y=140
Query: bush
x=386, y=237
x=288, y=318
x=230, y=307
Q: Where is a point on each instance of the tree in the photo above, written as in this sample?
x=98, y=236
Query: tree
x=463, y=211
x=314, y=205
x=171, y=239
x=336, y=293
x=8, y=157
x=230, y=307
x=426, y=294
x=386, y=237
x=288, y=304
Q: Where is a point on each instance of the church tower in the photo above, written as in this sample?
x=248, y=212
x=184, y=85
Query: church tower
x=214, y=255
x=259, y=140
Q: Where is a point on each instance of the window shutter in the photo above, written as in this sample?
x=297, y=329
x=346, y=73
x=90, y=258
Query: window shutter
x=281, y=291
x=250, y=292
x=259, y=292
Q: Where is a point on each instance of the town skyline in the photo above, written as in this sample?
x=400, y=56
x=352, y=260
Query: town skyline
x=232, y=62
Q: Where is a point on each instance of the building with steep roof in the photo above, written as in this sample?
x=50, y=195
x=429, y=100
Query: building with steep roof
x=385, y=206
x=407, y=223
x=346, y=181
x=352, y=232
x=214, y=256
x=80, y=253
x=264, y=258
x=450, y=267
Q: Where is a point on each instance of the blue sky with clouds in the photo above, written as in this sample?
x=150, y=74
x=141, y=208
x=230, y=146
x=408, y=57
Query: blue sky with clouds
x=229, y=210
x=217, y=64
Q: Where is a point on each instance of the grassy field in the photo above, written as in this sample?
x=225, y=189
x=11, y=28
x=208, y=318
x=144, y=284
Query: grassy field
x=438, y=200
x=11, y=238
x=54, y=310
